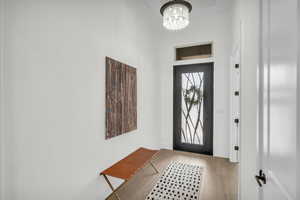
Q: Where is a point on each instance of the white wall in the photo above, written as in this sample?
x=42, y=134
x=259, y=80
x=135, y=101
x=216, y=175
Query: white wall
x=2, y=153
x=55, y=94
x=207, y=24
x=247, y=13
x=298, y=116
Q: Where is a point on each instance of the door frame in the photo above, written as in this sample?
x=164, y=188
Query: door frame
x=209, y=150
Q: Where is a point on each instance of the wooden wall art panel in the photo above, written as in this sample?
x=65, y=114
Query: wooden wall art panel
x=121, y=98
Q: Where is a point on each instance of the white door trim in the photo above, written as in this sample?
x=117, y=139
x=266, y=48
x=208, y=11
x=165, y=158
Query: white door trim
x=193, y=61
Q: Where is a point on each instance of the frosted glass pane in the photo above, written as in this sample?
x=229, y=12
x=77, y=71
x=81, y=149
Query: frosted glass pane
x=192, y=108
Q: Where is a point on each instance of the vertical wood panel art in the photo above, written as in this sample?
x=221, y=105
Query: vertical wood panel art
x=121, y=98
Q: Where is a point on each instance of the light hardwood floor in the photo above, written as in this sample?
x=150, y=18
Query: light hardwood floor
x=220, y=177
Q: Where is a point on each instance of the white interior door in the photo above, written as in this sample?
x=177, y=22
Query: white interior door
x=278, y=103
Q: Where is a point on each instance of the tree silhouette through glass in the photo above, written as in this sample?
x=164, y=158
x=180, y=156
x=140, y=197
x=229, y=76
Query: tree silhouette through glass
x=192, y=108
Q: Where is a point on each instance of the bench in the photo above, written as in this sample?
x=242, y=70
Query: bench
x=128, y=166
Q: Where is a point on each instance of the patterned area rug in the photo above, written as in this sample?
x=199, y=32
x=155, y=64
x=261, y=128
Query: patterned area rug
x=179, y=181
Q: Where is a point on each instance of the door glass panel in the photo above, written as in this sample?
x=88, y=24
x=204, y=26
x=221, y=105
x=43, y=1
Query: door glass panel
x=192, y=108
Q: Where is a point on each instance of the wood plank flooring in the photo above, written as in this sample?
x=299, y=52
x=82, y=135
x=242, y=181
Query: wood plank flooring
x=220, y=177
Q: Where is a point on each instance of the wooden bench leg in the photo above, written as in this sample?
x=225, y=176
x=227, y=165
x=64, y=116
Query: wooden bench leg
x=153, y=166
x=111, y=187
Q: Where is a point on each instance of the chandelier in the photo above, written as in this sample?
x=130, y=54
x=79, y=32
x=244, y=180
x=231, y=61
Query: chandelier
x=176, y=14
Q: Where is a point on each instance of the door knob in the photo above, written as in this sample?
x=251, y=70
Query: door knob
x=261, y=178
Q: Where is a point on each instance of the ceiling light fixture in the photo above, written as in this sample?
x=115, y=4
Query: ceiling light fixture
x=176, y=14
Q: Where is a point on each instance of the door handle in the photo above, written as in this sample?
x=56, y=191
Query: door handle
x=261, y=178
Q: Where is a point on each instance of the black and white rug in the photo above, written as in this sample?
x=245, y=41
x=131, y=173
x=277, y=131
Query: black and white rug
x=179, y=181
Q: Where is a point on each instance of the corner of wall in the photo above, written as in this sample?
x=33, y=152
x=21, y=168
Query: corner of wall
x=248, y=14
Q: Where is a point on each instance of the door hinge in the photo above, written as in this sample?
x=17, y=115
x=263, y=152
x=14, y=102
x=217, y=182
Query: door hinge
x=261, y=178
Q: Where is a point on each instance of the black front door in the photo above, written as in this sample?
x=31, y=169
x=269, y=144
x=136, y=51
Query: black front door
x=193, y=108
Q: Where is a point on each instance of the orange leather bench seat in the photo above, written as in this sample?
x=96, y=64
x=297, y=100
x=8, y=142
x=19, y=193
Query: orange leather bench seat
x=127, y=167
